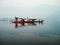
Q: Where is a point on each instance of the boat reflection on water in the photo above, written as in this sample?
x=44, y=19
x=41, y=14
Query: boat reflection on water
x=26, y=24
x=24, y=21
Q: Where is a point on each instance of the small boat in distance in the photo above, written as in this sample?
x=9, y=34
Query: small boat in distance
x=25, y=20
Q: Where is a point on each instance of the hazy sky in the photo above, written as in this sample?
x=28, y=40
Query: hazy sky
x=24, y=8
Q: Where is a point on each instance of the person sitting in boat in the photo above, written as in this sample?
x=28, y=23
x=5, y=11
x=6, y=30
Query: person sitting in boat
x=16, y=18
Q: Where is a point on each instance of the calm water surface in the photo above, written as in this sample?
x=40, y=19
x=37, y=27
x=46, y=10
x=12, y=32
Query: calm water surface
x=47, y=33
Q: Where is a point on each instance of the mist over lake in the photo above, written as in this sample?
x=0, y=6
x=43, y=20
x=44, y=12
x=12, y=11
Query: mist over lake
x=40, y=34
x=46, y=33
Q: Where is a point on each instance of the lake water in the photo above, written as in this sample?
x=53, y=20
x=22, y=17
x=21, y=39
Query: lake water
x=47, y=33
